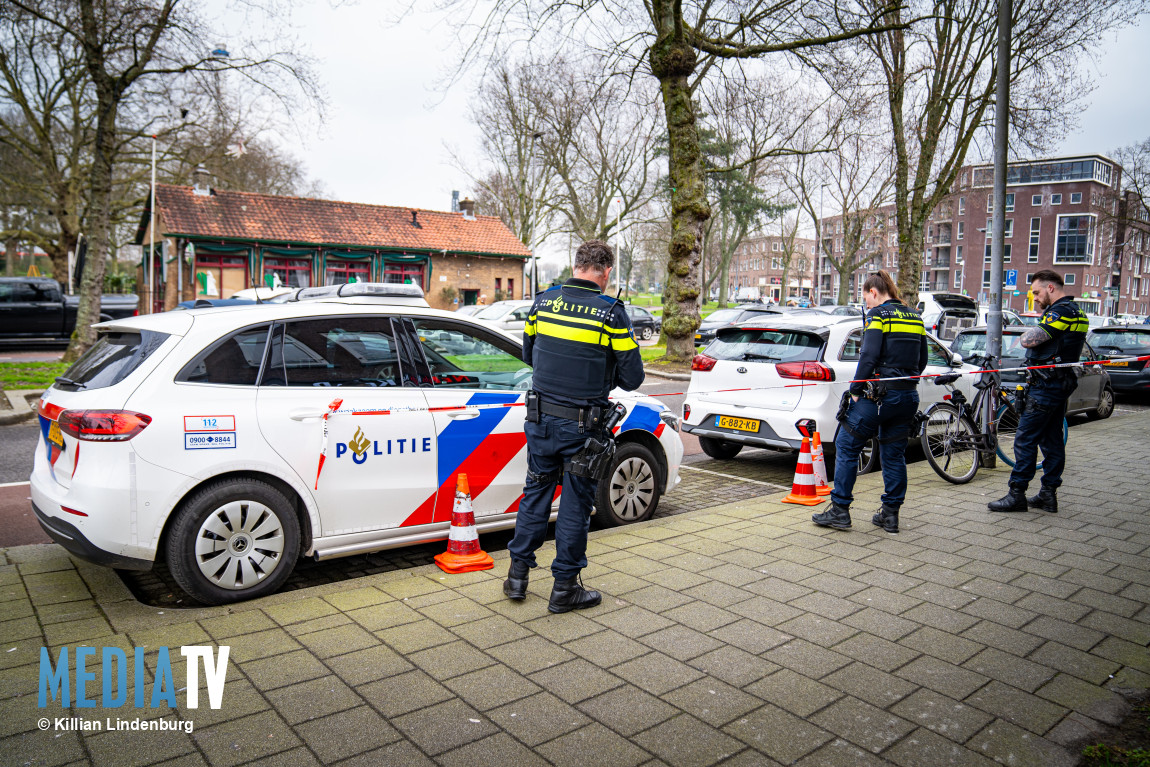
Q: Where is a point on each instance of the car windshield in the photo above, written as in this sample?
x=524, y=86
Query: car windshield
x=1125, y=340
x=974, y=345
x=723, y=315
x=765, y=345
x=493, y=312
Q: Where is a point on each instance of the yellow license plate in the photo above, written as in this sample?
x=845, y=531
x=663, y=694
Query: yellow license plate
x=739, y=424
x=1124, y=364
x=54, y=435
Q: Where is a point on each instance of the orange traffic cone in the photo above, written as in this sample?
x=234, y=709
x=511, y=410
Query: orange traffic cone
x=463, y=554
x=803, y=488
x=820, y=467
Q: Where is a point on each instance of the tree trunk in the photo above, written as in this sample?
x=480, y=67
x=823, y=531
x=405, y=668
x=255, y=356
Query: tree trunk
x=100, y=185
x=10, y=248
x=844, y=288
x=672, y=62
x=724, y=281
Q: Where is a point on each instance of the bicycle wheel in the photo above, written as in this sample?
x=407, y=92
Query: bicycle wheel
x=1007, y=418
x=949, y=442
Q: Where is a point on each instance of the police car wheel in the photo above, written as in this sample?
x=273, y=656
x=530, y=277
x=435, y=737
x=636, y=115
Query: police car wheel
x=868, y=458
x=233, y=540
x=719, y=449
x=631, y=491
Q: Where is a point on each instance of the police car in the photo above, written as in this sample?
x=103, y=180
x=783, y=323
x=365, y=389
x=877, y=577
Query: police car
x=229, y=442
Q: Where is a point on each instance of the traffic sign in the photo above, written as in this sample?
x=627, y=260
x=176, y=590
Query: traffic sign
x=1011, y=278
x=1017, y=293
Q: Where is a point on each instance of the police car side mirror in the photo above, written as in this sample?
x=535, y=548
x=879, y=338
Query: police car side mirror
x=955, y=360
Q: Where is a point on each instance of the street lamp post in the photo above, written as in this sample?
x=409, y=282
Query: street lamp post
x=533, y=266
x=819, y=246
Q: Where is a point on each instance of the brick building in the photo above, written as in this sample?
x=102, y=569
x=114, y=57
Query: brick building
x=217, y=242
x=1132, y=270
x=877, y=248
x=758, y=263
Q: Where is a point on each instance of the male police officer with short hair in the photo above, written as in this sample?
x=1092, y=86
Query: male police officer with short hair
x=1057, y=338
x=581, y=345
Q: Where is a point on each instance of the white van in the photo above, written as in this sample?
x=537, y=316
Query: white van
x=944, y=314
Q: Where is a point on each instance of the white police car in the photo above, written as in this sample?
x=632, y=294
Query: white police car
x=200, y=437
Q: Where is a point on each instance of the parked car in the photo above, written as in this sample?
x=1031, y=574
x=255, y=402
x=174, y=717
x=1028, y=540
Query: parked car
x=748, y=295
x=34, y=309
x=771, y=355
x=506, y=315
x=644, y=323
x=841, y=311
x=1125, y=341
x=1030, y=318
x=1094, y=394
x=230, y=443
x=469, y=311
x=1124, y=319
x=719, y=318
x=944, y=314
x=1009, y=317
x=218, y=303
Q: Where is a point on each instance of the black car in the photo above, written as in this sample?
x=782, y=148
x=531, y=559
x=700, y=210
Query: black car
x=34, y=309
x=645, y=323
x=1094, y=395
x=1124, y=341
x=723, y=317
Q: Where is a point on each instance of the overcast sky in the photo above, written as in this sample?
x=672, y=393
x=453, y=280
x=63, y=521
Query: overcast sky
x=388, y=125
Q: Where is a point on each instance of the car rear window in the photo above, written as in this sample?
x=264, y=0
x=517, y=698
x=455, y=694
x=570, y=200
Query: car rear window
x=110, y=360
x=765, y=345
x=723, y=315
x=1127, y=341
x=974, y=344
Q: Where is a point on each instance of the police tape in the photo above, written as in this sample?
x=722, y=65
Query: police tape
x=333, y=408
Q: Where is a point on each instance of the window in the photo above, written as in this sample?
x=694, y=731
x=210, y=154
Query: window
x=985, y=279
x=463, y=357
x=961, y=206
x=232, y=360
x=220, y=276
x=851, y=346
x=1005, y=253
x=1029, y=277
x=1009, y=228
x=111, y=359
x=775, y=247
x=957, y=278
x=776, y=263
x=1036, y=200
x=1055, y=199
x=1010, y=202
x=989, y=203
x=399, y=273
x=334, y=351
x=1068, y=278
x=498, y=284
x=511, y=287
x=961, y=230
x=341, y=272
x=289, y=272
x=1035, y=231
x=936, y=355
x=1075, y=198
x=16, y=293
x=1075, y=240
x=958, y=254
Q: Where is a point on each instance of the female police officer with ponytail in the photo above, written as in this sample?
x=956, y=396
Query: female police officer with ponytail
x=893, y=347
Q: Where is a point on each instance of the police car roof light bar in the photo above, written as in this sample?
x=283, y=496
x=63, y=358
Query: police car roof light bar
x=357, y=289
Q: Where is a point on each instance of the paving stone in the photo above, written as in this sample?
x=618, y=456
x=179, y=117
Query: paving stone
x=946, y=678
x=628, y=709
x=1014, y=705
x=404, y=693
x=633, y=621
x=283, y=670
x=676, y=578
x=748, y=635
x=734, y=666
x=364, y=666
x=43, y=748
x=1053, y=606
x=876, y=651
x=347, y=733
x=299, y=610
x=994, y=635
x=531, y=654
x=815, y=628
x=840, y=753
x=1007, y=743
x=444, y=726
x=806, y=658
x=884, y=599
x=607, y=648
x=491, y=687
x=1007, y=668
x=656, y=673
x=240, y=740
x=999, y=612
x=498, y=750
x=338, y=641
x=1086, y=698
x=718, y=594
x=237, y=624
x=941, y=644
x=942, y=715
x=411, y=637
x=794, y=692
x=1126, y=653
x=1080, y=664
x=1137, y=631
x=398, y=754
x=449, y=660
x=940, y=618
x=592, y=745
x=862, y=724
x=576, y=680
x=657, y=598
x=870, y=684
x=314, y=699
x=681, y=643
x=21, y=628
x=539, y=718
x=384, y=615
x=827, y=605
x=685, y=740
x=923, y=747
x=713, y=701
x=1066, y=633
x=778, y=589
x=701, y=616
x=778, y=734
x=147, y=747
x=879, y=623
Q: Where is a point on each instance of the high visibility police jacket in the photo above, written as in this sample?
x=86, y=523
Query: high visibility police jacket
x=581, y=345
x=1065, y=326
x=893, y=344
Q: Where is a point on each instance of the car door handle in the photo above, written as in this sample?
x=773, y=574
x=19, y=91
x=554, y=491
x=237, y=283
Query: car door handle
x=307, y=413
x=463, y=415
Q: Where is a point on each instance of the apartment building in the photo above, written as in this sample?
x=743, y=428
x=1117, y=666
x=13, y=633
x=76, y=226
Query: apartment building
x=867, y=238
x=758, y=262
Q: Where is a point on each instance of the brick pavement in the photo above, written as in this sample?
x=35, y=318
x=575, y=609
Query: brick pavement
x=739, y=634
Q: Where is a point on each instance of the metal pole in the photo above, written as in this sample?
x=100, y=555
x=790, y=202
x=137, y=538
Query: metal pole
x=151, y=281
x=618, y=244
x=997, y=243
x=819, y=245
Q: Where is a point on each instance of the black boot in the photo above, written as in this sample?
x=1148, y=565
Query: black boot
x=887, y=518
x=1046, y=500
x=570, y=595
x=838, y=517
x=515, y=587
x=1014, y=500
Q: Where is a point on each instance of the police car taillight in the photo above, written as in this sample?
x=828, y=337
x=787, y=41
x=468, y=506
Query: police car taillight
x=703, y=362
x=102, y=425
x=805, y=371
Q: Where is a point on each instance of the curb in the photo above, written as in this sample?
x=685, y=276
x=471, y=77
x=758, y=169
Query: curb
x=22, y=410
x=669, y=376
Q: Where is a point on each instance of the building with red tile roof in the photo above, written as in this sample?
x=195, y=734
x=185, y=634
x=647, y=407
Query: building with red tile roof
x=226, y=240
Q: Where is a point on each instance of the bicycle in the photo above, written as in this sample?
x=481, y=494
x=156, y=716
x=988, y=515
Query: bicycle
x=952, y=437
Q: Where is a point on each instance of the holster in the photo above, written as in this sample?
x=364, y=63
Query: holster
x=595, y=458
x=844, y=406
x=531, y=401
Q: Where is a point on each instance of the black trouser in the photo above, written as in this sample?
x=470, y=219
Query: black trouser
x=1041, y=427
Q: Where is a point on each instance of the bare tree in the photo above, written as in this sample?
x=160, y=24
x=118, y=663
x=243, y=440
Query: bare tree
x=938, y=75
x=1135, y=162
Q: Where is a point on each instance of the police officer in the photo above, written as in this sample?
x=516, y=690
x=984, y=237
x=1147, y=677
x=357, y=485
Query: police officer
x=1058, y=337
x=581, y=345
x=893, y=345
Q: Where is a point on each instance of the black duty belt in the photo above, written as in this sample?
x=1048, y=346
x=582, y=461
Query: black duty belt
x=587, y=417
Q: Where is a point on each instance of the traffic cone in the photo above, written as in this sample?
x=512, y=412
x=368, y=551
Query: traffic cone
x=820, y=466
x=463, y=554
x=803, y=488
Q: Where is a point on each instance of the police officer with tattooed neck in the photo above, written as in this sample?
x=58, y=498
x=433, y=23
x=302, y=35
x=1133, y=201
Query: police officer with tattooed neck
x=581, y=345
x=893, y=347
x=1057, y=338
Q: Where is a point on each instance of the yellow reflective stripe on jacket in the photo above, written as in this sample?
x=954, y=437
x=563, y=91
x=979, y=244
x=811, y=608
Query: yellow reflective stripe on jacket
x=581, y=335
x=624, y=344
x=897, y=326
